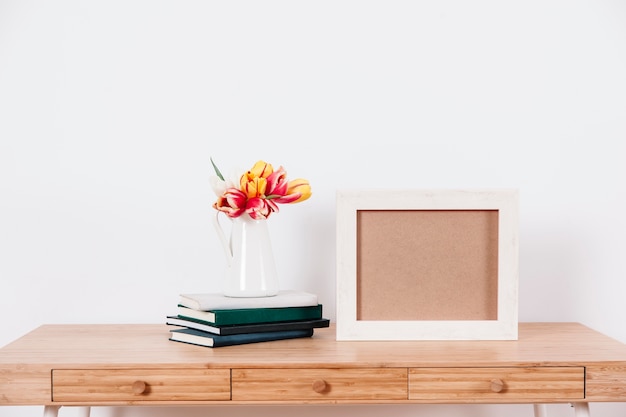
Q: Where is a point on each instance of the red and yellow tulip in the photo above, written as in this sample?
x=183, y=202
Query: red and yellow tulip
x=261, y=190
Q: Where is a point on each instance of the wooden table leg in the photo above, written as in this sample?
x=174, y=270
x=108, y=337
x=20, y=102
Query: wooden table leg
x=51, y=410
x=540, y=410
x=84, y=411
x=581, y=409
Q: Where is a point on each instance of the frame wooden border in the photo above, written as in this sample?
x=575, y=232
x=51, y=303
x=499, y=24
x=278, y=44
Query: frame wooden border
x=503, y=327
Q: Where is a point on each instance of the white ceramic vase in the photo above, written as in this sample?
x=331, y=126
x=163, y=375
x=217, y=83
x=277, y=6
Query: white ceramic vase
x=251, y=267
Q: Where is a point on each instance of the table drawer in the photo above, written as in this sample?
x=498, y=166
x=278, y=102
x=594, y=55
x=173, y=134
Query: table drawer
x=319, y=384
x=121, y=385
x=496, y=384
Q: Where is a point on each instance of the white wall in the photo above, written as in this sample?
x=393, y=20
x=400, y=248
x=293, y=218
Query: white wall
x=109, y=111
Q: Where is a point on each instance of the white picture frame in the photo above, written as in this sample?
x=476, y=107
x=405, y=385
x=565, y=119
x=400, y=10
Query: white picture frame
x=371, y=264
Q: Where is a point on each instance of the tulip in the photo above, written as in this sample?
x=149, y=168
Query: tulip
x=300, y=186
x=219, y=183
x=297, y=191
x=277, y=183
x=258, y=191
x=232, y=203
x=253, y=186
x=258, y=209
x=261, y=169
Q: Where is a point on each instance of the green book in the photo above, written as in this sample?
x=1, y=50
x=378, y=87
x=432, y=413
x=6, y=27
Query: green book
x=197, y=337
x=247, y=328
x=252, y=315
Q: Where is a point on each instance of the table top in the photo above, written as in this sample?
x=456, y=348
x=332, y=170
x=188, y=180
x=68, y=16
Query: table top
x=134, y=345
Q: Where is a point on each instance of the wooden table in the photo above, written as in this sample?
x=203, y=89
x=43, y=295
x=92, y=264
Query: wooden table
x=136, y=364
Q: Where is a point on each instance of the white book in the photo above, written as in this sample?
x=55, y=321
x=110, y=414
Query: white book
x=217, y=301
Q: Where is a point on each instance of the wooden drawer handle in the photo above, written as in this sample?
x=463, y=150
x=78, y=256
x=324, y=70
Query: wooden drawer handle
x=139, y=387
x=497, y=385
x=319, y=386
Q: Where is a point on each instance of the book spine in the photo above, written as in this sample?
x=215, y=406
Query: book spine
x=266, y=315
x=241, y=339
x=273, y=327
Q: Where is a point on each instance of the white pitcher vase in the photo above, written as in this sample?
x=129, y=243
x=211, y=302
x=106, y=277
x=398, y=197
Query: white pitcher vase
x=251, y=267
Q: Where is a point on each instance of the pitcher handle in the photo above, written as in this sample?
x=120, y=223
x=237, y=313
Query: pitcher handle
x=222, y=236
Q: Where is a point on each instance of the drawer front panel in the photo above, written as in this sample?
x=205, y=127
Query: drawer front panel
x=497, y=384
x=125, y=385
x=319, y=384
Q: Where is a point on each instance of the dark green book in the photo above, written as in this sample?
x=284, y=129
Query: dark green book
x=246, y=328
x=252, y=315
x=197, y=337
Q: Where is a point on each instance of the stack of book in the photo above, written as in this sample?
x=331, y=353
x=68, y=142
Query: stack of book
x=214, y=320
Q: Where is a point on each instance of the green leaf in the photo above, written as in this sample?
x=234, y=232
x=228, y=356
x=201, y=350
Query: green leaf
x=217, y=171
